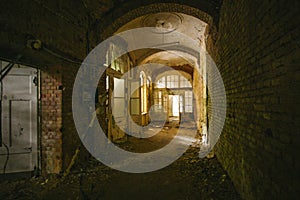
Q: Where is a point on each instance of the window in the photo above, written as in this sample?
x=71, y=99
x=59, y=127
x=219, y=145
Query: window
x=188, y=101
x=114, y=61
x=118, y=64
x=158, y=101
x=184, y=83
x=180, y=104
x=143, y=92
x=107, y=83
x=161, y=83
x=172, y=81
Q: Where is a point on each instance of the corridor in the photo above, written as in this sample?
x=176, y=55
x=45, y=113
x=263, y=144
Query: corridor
x=152, y=99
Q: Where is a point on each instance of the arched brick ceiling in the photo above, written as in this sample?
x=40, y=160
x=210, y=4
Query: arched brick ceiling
x=188, y=26
x=71, y=28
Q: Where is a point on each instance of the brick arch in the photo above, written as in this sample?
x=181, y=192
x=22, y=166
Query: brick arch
x=207, y=11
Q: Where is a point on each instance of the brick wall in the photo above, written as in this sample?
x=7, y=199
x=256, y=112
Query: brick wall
x=70, y=137
x=51, y=135
x=258, y=57
x=59, y=135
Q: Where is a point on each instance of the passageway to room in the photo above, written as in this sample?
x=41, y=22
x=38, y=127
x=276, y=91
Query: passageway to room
x=167, y=80
x=210, y=85
x=164, y=95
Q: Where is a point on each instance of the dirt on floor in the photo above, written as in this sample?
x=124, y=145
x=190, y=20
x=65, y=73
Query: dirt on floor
x=189, y=177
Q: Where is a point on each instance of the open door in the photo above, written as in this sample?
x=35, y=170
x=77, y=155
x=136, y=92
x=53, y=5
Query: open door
x=118, y=117
x=18, y=151
x=174, y=107
x=135, y=104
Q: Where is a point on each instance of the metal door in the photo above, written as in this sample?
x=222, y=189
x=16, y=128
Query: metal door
x=19, y=120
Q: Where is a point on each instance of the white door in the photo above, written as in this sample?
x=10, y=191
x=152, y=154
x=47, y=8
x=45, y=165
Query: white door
x=19, y=120
x=118, y=104
x=135, y=106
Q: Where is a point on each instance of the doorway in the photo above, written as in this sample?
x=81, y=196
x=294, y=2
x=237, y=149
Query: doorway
x=19, y=120
x=175, y=107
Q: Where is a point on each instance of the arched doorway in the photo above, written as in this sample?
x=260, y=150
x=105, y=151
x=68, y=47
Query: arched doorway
x=193, y=28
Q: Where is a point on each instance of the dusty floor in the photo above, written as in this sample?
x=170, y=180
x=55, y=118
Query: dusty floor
x=187, y=178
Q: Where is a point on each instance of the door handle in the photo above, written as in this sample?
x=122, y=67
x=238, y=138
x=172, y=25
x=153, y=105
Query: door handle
x=28, y=148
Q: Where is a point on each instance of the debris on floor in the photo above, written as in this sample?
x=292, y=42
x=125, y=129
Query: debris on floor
x=187, y=178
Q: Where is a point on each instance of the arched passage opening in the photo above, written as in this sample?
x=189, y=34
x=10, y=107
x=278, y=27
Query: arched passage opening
x=191, y=65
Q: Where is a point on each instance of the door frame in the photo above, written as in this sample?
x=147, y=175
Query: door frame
x=38, y=169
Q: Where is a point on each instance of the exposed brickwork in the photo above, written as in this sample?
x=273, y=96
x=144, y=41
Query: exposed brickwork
x=71, y=140
x=62, y=26
x=70, y=137
x=51, y=135
x=259, y=52
x=56, y=24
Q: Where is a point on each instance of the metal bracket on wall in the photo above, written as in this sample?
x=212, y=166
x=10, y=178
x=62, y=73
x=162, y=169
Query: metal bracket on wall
x=8, y=67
